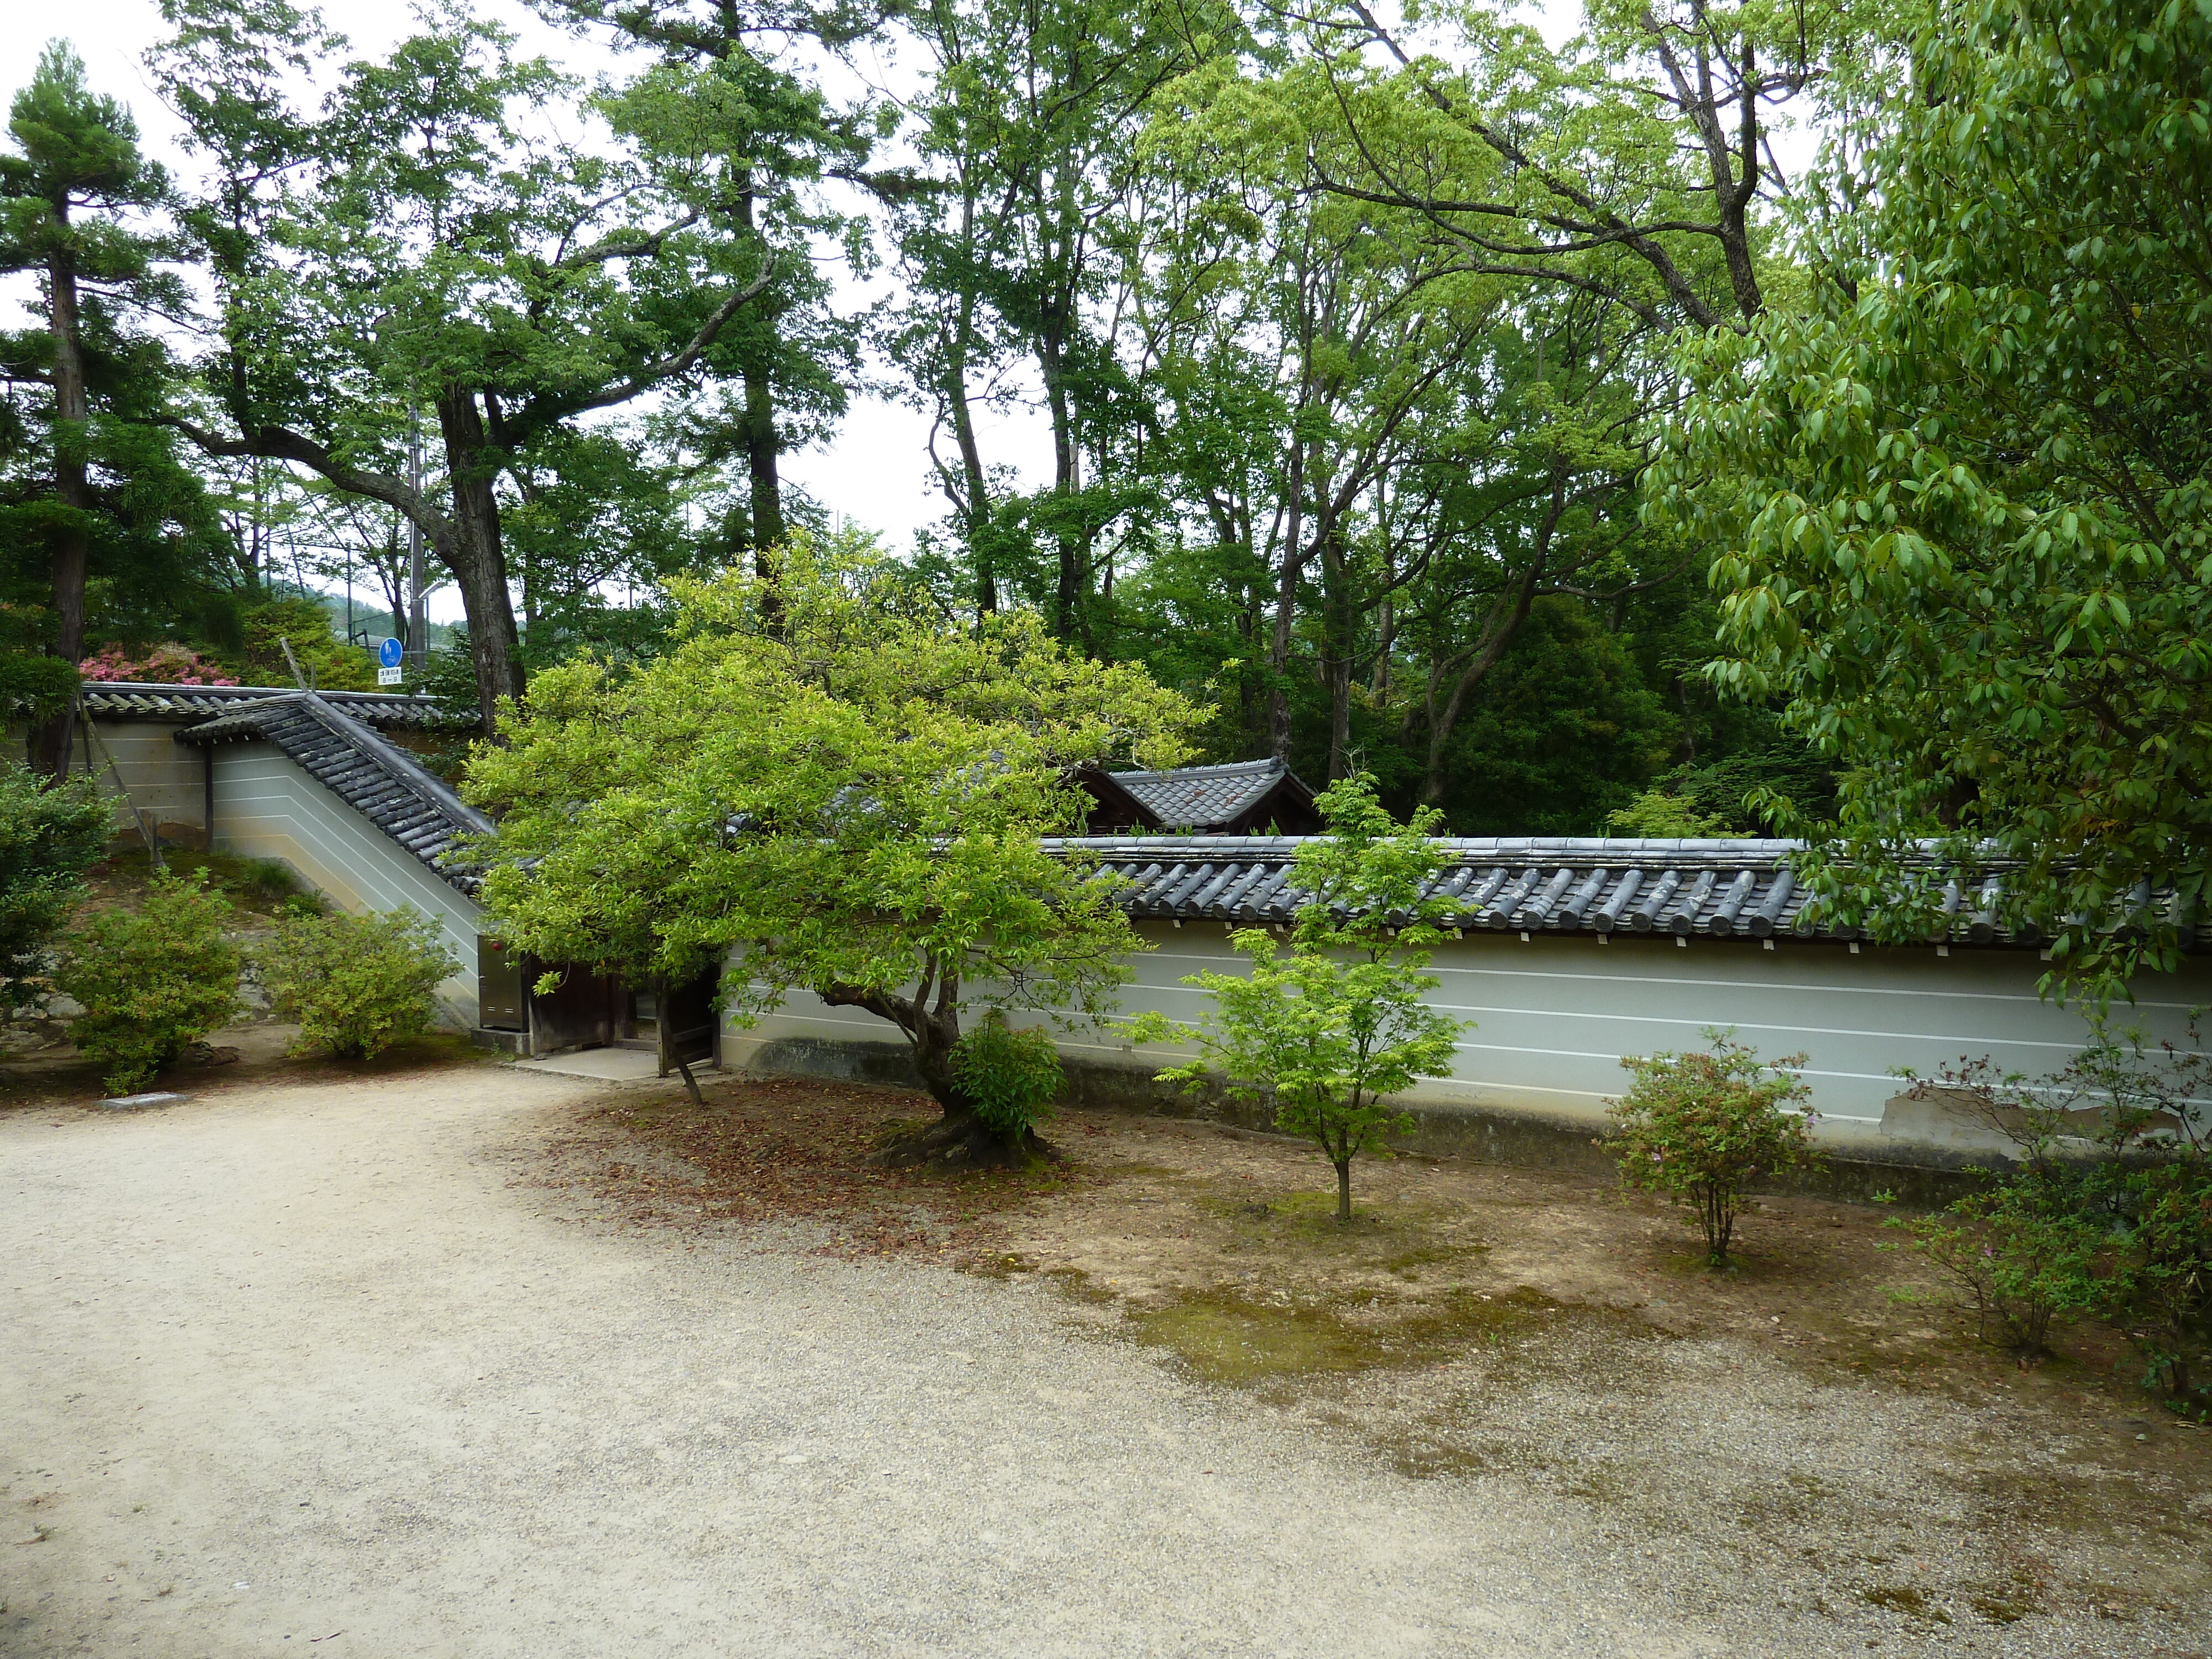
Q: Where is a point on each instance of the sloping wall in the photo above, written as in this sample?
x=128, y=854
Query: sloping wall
x=1553, y=1017
x=265, y=806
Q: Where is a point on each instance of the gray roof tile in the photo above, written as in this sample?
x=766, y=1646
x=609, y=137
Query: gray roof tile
x=129, y=700
x=1204, y=797
x=386, y=786
x=1714, y=889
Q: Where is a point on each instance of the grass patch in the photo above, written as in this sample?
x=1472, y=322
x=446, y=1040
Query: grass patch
x=1227, y=1337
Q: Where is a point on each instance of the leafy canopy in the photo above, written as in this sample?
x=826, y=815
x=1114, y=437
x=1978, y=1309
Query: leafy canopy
x=826, y=775
x=1961, y=500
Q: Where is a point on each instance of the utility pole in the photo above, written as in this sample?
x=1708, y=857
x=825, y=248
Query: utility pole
x=418, y=637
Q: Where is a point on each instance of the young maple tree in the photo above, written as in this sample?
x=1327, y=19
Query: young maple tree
x=1330, y=1030
x=828, y=781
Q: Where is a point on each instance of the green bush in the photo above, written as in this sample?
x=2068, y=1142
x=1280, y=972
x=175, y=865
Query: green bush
x=2023, y=1254
x=33, y=689
x=329, y=662
x=1010, y=1076
x=49, y=835
x=2107, y=1210
x=357, y=984
x=1699, y=1128
x=153, y=982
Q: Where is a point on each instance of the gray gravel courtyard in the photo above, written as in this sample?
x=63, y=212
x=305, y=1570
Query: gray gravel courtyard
x=313, y=1368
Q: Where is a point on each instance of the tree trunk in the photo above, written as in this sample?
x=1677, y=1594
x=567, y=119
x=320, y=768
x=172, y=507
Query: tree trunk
x=1336, y=654
x=476, y=559
x=767, y=489
x=975, y=509
x=1067, y=479
x=959, y=1139
x=71, y=536
x=1287, y=602
x=1343, y=1191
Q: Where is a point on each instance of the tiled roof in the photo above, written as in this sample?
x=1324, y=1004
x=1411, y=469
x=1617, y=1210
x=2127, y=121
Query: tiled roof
x=130, y=700
x=1205, y=796
x=386, y=786
x=1710, y=889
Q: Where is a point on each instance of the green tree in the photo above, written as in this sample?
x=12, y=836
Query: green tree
x=827, y=778
x=50, y=834
x=1329, y=1030
x=79, y=484
x=1960, y=500
x=435, y=248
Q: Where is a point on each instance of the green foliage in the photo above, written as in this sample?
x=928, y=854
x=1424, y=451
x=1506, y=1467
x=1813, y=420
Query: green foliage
x=826, y=775
x=1699, y=1128
x=357, y=984
x=2023, y=1257
x=1962, y=499
x=153, y=981
x=329, y=663
x=1659, y=816
x=2107, y=1209
x=49, y=835
x=33, y=689
x=1011, y=1074
x=1329, y=1031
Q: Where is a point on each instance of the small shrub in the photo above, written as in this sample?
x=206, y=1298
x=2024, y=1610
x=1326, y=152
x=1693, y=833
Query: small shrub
x=1011, y=1076
x=357, y=984
x=2109, y=1210
x=1698, y=1128
x=269, y=880
x=2023, y=1256
x=153, y=983
x=49, y=835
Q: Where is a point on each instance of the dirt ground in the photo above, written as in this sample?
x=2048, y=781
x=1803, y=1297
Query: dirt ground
x=437, y=1358
x=1820, y=1422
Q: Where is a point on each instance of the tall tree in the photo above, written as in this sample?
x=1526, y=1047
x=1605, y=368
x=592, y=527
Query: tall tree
x=1962, y=502
x=437, y=251
x=1027, y=136
x=728, y=81
x=76, y=197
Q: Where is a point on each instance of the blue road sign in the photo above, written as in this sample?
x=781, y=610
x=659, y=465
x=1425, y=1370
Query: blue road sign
x=388, y=654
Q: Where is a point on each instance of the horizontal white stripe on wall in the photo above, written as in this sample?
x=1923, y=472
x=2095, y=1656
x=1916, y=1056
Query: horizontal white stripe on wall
x=267, y=806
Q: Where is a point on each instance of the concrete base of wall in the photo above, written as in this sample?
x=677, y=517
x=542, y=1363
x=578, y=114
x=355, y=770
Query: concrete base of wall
x=1910, y=1176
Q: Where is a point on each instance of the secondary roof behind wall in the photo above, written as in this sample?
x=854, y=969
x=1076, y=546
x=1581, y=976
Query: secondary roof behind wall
x=386, y=786
x=130, y=700
x=1241, y=797
x=1735, y=889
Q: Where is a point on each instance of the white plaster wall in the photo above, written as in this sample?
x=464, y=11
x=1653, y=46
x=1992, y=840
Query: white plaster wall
x=266, y=806
x=1552, y=1018
x=162, y=776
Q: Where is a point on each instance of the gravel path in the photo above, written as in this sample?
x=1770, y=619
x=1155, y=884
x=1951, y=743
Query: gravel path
x=304, y=1365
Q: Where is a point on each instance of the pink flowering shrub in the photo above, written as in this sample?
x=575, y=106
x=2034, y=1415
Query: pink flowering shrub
x=167, y=664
